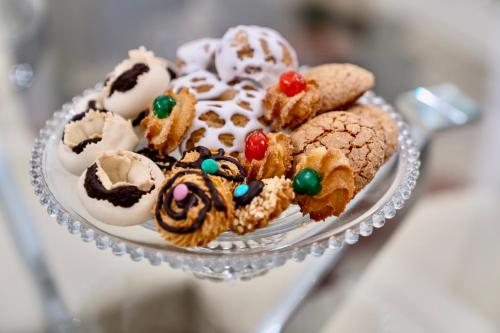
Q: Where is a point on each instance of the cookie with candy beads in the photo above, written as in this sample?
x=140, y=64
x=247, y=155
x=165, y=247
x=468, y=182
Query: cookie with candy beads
x=259, y=202
x=291, y=101
x=120, y=188
x=91, y=132
x=164, y=162
x=267, y=155
x=323, y=182
x=340, y=85
x=213, y=162
x=169, y=118
x=193, y=207
x=135, y=82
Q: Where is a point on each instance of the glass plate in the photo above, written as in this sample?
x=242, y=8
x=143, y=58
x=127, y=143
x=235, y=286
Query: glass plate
x=292, y=236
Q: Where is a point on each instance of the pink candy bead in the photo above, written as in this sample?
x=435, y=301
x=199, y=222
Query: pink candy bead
x=180, y=192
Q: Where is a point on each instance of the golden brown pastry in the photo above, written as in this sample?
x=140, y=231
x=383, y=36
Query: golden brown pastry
x=166, y=126
x=276, y=161
x=340, y=84
x=323, y=182
x=361, y=139
x=283, y=111
x=193, y=207
x=260, y=202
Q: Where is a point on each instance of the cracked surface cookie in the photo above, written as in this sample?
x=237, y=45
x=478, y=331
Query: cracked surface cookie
x=168, y=120
x=259, y=202
x=391, y=130
x=361, y=139
x=267, y=155
x=340, y=84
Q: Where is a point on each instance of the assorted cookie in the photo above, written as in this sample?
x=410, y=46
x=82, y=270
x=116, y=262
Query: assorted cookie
x=231, y=136
x=120, y=188
x=91, y=132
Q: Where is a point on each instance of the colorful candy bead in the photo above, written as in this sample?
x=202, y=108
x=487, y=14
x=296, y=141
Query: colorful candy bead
x=163, y=105
x=180, y=192
x=292, y=83
x=307, y=181
x=241, y=190
x=256, y=145
x=209, y=166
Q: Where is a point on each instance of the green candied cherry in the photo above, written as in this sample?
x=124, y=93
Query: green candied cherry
x=163, y=105
x=307, y=181
x=209, y=166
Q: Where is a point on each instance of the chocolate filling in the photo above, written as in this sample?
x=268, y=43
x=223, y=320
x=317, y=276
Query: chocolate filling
x=172, y=73
x=140, y=117
x=195, y=195
x=224, y=171
x=81, y=146
x=254, y=189
x=128, y=79
x=165, y=163
x=123, y=196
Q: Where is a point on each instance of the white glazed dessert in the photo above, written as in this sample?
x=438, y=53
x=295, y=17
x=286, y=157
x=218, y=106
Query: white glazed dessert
x=120, y=188
x=135, y=82
x=256, y=53
x=89, y=133
x=196, y=55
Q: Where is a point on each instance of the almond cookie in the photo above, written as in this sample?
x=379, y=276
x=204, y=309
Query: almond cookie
x=384, y=119
x=267, y=155
x=259, y=202
x=169, y=119
x=284, y=109
x=256, y=53
x=91, y=132
x=323, y=182
x=120, y=188
x=361, y=139
x=340, y=84
x=214, y=162
x=193, y=208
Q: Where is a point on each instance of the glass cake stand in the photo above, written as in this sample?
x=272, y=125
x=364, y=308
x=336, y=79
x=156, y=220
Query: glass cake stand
x=292, y=236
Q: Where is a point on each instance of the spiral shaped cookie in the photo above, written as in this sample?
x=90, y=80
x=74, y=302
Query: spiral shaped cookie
x=193, y=207
x=262, y=202
x=324, y=182
x=166, y=130
x=215, y=162
x=277, y=160
x=283, y=111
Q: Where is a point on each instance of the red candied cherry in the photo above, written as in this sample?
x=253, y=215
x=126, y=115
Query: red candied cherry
x=291, y=83
x=256, y=145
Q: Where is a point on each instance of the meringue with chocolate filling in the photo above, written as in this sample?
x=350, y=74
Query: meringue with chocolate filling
x=91, y=132
x=120, y=188
x=134, y=83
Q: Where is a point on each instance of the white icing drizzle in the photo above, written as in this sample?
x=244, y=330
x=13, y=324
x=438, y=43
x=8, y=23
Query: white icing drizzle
x=202, y=84
x=262, y=54
x=252, y=99
x=196, y=55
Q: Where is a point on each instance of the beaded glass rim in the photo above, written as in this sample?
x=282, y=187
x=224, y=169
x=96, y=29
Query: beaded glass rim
x=228, y=265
